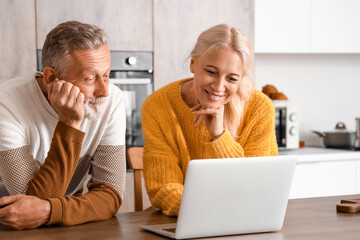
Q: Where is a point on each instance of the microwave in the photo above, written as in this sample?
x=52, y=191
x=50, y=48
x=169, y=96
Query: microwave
x=286, y=125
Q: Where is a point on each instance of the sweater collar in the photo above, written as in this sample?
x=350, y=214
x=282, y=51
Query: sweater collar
x=43, y=99
x=179, y=101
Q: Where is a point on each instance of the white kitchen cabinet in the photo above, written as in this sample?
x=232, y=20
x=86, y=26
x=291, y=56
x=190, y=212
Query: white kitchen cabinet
x=325, y=172
x=128, y=23
x=335, y=26
x=317, y=179
x=358, y=177
x=307, y=26
x=282, y=26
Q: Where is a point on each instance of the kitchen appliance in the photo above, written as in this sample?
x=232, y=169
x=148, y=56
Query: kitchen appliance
x=132, y=72
x=340, y=137
x=286, y=125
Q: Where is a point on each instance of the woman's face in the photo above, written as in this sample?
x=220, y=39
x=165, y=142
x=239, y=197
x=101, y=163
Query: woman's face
x=217, y=77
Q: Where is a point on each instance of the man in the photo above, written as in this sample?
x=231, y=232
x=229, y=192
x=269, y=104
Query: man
x=58, y=128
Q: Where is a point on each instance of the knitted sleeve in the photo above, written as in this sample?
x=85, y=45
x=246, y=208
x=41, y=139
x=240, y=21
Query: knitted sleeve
x=21, y=174
x=55, y=174
x=109, y=166
x=53, y=178
x=100, y=203
x=105, y=194
x=163, y=175
x=104, y=197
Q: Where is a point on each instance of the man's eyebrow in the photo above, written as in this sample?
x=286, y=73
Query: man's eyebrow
x=83, y=71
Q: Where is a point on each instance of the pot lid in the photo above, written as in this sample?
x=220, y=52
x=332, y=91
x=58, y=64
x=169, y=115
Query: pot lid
x=340, y=127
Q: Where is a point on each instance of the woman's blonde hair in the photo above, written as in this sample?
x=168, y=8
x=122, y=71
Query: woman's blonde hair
x=223, y=36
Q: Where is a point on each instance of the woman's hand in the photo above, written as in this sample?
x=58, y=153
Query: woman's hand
x=213, y=117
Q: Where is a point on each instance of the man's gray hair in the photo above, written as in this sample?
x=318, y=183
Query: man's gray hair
x=67, y=37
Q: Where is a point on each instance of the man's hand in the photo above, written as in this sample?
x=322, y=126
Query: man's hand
x=24, y=212
x=67, y=101
x=213, y=117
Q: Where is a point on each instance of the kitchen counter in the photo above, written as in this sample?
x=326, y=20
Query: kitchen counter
x=321, y=154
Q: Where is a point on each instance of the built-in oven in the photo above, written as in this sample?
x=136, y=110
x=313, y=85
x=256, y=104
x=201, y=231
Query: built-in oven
x=132, y=72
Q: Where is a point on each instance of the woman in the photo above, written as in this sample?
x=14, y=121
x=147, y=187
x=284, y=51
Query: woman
x=215, y=114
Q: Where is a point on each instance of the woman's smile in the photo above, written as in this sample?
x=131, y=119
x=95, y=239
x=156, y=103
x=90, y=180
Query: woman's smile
x=214, y=97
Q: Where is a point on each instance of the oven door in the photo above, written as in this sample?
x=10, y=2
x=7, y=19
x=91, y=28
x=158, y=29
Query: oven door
x=135, y=90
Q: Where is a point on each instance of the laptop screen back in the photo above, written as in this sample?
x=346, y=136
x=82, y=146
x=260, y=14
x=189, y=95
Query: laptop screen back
x=234, y=196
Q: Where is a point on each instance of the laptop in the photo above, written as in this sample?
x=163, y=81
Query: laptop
x=232, y=196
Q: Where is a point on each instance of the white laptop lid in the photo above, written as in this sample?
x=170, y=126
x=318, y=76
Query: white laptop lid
x=234, y=196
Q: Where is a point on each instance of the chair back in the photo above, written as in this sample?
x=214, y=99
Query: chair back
x=135, y=155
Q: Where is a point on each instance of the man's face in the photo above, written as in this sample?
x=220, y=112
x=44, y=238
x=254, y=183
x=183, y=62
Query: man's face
x=89, y=70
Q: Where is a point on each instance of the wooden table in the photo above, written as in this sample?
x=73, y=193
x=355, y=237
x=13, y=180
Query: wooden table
x=311, y=218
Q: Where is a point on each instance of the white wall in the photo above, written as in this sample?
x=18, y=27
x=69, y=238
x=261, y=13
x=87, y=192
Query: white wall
x=325, y=87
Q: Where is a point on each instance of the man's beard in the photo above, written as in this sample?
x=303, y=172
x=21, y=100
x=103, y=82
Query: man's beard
x=94, y=107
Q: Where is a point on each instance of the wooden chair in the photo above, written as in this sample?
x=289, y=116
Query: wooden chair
x=135, y=155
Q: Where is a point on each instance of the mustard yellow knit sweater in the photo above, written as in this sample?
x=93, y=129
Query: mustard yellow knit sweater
x=171, y=141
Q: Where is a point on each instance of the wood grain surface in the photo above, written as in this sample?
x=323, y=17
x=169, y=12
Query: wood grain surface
x=311, y=218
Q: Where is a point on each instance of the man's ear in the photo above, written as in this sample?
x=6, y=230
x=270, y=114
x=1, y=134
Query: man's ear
x=49, y=74
x=192, y=64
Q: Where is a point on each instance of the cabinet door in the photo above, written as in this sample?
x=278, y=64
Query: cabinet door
x=319, y=179
x=177, y=25
x=17, y=31
x=282, y=26
x=128, y=23
x=358, y=177
x=335, y=26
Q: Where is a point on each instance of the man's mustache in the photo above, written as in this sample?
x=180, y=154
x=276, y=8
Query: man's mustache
x=95, y=100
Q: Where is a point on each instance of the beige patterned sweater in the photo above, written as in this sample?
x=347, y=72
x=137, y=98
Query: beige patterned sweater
x=43, y=157
x=171, y=141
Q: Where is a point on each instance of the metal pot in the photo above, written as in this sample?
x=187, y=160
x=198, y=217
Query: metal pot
x=339, y=138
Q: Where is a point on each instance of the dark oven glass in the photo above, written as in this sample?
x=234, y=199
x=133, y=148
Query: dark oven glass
x=280, y=126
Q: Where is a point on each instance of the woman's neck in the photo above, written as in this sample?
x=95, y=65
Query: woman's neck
x=188, y=93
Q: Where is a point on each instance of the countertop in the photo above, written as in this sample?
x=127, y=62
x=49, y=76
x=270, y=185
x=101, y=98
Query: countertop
x=319, y=154
x=311, y=218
